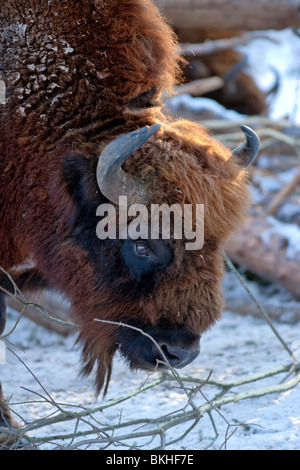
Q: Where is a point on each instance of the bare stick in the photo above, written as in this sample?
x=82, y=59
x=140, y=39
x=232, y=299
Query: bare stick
x=20, y=297
x=218, y=45
x=258, y=304
x=201, y=86
x=174, y=372
x=286, y=191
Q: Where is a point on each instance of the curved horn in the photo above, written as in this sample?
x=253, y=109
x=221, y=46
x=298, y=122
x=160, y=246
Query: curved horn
x=112, y=180
x=248, y=151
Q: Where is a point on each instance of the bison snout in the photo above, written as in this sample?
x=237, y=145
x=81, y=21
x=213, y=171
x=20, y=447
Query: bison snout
x=176, y=348
x=177, y=357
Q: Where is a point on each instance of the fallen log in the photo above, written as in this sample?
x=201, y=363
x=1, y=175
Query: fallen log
x=285, y=312
x=246, y=15
x=268, y=248
x=286, y=191
x=200, y=87
x=54, y=305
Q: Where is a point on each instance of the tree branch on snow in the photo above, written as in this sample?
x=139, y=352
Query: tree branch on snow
x=123, y=433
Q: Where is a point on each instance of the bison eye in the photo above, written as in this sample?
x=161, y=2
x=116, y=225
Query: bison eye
x=145, y=257
x=142, y=249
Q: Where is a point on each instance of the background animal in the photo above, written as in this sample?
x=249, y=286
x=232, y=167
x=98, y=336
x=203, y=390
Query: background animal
x=79, y=75
x=240, y=90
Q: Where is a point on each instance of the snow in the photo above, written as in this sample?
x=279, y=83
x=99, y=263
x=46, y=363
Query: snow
x=236, y=346
x=268, y=184
x=274, y=183
x=196, y=104
x=290, y=232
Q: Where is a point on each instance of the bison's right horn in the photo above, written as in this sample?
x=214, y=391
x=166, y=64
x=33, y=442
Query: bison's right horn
x=247, y=152
x=112, y=179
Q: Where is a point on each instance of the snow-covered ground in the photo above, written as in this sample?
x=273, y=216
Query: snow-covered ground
x=235, y=347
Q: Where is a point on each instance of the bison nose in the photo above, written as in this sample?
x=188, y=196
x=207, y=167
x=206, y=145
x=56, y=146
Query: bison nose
x=160, y=346
x=177, y=357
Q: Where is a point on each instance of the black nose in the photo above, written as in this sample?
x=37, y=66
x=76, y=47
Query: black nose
x=177, y=357
x=178, y=347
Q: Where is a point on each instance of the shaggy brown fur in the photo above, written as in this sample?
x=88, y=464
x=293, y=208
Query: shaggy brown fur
x=78, y=75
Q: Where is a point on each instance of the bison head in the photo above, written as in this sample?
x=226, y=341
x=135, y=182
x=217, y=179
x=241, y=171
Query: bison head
x=153, y=284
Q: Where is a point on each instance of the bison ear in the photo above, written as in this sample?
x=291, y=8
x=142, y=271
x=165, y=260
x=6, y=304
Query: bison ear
x=79, y=177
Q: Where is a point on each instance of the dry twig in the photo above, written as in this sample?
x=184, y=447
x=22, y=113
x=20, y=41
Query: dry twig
x=200, y=87
x=218, y=45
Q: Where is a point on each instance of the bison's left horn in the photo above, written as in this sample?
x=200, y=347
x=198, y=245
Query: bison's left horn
x=112, y=179
x=247, y=152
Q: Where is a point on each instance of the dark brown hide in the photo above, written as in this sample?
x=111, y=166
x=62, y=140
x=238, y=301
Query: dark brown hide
x=78, y=75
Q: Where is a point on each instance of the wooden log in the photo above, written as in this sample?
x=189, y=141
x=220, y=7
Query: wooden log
x=246, y=15
x=54, y=306
x=200, y=87
x=264, y=252
x=284, y=193
x=286, y=312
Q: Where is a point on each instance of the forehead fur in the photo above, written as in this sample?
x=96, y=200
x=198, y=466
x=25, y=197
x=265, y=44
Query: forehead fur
x=183, y=164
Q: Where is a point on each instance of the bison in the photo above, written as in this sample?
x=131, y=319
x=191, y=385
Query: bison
x=83, y=124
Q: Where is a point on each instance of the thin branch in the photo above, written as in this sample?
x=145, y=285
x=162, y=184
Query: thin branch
x=284, y=193
x=257, y=303
x=22, y=299
x=166, y=362
x=217, y=45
